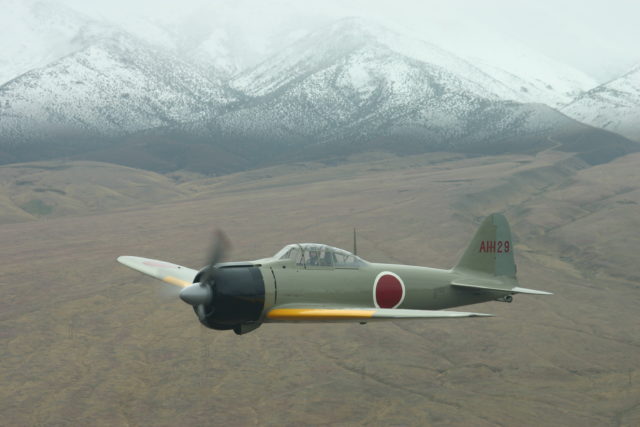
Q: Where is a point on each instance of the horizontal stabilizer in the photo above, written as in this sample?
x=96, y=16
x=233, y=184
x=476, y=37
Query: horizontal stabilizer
x=173, y=274
x=514, y=290
x=530, y=291
x=310, y=314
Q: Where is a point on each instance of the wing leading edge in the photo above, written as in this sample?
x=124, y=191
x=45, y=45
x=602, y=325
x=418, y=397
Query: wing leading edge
x=173, y=274
x=358, y=314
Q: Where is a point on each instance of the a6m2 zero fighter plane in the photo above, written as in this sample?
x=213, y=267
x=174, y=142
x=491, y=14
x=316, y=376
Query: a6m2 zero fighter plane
x=311, y=282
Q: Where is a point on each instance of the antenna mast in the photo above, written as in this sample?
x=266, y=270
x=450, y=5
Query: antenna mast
x=355, y=246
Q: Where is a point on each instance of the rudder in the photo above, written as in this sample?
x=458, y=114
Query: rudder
x=491, y=249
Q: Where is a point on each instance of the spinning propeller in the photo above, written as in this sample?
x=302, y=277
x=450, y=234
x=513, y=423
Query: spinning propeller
x=200, y=293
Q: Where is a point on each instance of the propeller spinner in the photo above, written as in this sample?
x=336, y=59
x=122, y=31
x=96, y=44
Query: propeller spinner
x=196, y=294
x=200, y=294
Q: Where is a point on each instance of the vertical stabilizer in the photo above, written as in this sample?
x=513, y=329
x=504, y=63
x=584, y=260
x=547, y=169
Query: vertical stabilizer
x=491, y=250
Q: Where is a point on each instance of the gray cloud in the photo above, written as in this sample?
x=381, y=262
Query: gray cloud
x=597, y=37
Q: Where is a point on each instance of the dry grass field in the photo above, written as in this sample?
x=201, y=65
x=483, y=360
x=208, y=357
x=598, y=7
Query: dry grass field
x=55, y=189
x=86, y=341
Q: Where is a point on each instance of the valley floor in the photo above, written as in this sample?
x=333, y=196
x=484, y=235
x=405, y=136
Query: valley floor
x=86, y=341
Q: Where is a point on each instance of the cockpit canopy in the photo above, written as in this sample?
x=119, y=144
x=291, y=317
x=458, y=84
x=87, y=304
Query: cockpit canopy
x=318, y=255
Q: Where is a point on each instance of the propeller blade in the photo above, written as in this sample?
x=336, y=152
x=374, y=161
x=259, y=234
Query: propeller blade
x=220, y=247
x=202, y=312
x=168, y=291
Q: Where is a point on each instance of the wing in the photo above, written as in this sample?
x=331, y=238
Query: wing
x=167, y=272
x=357, y=314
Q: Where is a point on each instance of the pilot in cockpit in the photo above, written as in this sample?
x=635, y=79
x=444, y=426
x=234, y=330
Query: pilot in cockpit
x=313, y=257
x=326, y=258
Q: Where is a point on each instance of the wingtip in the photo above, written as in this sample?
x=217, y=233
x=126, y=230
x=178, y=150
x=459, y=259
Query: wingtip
x=123, y=259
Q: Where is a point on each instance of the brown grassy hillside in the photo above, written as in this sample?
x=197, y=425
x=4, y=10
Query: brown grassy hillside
x=54, y=189
x=86, y=341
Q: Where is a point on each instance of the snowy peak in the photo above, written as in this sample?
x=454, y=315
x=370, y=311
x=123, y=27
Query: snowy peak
x=614, y=106
x=342, y=42
x=304, y=57
x=36, y=33
x=328, y=44
x=348, y=84
x=114, y=86
x=629, y=82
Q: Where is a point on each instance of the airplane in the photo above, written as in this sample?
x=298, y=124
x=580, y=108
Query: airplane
x=310, y=282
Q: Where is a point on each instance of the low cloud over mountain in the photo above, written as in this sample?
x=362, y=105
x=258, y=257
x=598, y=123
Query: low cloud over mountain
x=347, y=87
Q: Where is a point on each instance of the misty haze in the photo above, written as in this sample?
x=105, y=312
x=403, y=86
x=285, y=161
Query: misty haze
x=137, y=127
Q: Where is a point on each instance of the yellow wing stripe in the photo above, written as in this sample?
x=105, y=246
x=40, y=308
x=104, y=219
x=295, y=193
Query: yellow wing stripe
x=175, y=281
x=318, y=314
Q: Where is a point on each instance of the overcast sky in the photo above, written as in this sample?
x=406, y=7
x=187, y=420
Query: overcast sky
x=597, y=36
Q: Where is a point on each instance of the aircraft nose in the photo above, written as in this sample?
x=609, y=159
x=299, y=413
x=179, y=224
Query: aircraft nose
x=196, y=294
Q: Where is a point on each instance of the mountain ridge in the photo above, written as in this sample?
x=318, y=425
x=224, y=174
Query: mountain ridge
x=350, y=86
x=112, y=87
x=614, y=105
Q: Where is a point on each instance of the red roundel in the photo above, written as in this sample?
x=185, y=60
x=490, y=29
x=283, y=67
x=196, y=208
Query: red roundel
x=388, y=290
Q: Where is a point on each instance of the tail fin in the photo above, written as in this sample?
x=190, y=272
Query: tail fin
x=491, y=250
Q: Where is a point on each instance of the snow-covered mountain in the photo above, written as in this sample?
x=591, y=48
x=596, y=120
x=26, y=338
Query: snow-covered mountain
x=535, y=76
x=487, y=78
x=614, y=106
x=36, y=33
x=352, y=85
x=115, y=85
x=346, y=37
x=223, y=40
x=353, y=81
x=550, y=83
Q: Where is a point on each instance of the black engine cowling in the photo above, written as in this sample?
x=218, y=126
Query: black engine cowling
x=238, y=296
